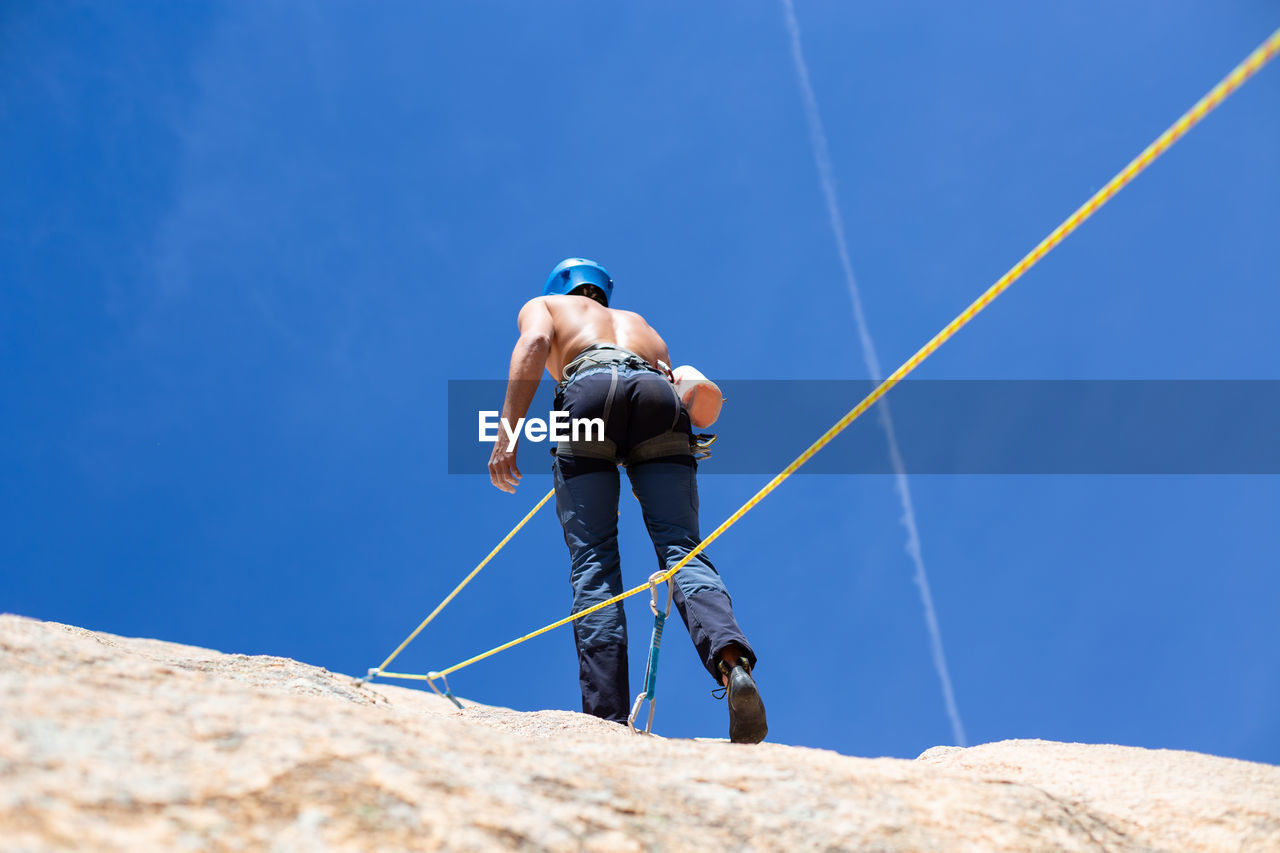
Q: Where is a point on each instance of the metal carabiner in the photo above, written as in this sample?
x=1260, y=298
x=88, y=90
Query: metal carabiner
x=447, y=694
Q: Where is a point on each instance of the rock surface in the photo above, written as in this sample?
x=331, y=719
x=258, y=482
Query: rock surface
x=109, y=743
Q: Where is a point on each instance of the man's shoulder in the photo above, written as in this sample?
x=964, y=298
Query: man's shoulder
x=535, y=302
x=634, y=315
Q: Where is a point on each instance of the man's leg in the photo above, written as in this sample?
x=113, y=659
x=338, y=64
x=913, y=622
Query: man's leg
x=668, y=493
x=587, y=504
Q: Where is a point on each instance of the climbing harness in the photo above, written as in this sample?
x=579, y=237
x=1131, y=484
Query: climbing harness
x=1219, y=93
x=650, y=691
x=600, y=355
x=608, y=359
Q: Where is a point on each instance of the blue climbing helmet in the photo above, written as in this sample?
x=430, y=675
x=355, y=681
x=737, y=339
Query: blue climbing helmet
x=572, y=273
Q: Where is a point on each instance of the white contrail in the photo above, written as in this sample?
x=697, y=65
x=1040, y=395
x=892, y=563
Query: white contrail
x=826, y=176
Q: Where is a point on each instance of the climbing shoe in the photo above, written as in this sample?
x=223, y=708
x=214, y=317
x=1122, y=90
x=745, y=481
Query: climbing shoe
x=746, y=709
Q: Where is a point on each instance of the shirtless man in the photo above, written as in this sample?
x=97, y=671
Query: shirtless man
x=611, y=365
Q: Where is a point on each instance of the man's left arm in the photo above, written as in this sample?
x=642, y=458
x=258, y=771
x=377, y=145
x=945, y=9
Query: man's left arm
x=528, y=360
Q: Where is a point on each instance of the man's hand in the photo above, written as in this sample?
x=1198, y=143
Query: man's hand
x=503, y=472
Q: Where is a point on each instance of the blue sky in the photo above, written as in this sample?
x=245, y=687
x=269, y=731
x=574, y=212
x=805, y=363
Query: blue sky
x=244, y=247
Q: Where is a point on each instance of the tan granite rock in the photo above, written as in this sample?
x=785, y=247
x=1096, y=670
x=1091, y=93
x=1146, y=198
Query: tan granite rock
x=109, y=744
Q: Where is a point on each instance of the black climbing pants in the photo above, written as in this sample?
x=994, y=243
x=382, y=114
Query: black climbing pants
x=640, y=410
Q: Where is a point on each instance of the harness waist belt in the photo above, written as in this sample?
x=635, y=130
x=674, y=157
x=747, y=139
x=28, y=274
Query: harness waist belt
x=604, y=355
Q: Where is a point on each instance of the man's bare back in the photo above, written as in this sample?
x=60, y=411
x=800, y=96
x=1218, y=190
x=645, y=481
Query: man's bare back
x=574, y=323
x=553, y=331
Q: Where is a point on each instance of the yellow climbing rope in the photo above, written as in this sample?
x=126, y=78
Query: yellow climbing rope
x=379, y=670
x=1242, y=72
